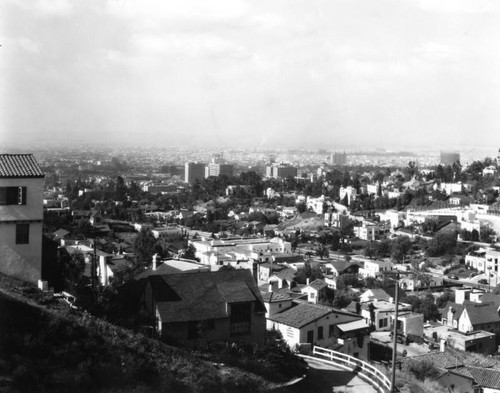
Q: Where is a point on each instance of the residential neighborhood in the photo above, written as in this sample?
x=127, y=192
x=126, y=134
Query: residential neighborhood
x=200, y=264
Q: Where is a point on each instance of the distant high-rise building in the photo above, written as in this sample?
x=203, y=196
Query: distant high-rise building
x=449, y=157
x=280, y=170
x=338, y=158
x=194, y=171
x=218, y=168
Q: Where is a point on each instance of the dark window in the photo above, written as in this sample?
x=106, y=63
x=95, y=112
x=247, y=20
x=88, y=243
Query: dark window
x=22, y=233
x=12, y=195
x=320, y=332
x=331, y=330
x=241, y=318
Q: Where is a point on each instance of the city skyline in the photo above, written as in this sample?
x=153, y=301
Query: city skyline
x=342, y=75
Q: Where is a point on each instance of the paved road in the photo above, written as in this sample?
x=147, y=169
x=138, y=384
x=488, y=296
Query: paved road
x=323, y=378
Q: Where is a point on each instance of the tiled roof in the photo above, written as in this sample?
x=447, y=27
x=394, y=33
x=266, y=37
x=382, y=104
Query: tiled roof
x=300, y=315
x=19, y=165
x=305, y=313
x=486, y=377
x=274, y=297
x=442, y=360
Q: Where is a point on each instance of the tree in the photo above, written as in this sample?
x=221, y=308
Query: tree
x=145, y=246
x=443, y=243
x=301, y=207
x=447, y=296
x=400, y=247
x=189, y=252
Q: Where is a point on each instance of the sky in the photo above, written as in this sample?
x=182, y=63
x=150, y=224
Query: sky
x=251, y=73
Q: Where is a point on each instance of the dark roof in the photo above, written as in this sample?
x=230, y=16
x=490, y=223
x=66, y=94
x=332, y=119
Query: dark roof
x=458, y=309
x=305, y=313
x=480, y=313
x=342, y=265
x=301, y=315
x=286, y=274
x=19, y=165
x=203, y=295
x=317, y=284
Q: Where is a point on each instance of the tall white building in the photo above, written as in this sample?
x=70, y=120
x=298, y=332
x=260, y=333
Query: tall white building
x=21, y=215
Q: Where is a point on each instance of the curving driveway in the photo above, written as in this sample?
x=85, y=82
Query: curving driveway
x=324, y=378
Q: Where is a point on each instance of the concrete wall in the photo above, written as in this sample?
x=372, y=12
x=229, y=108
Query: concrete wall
x=22, y=261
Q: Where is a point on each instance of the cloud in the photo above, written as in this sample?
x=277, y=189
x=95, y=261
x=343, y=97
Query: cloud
x=44, y=7
x=191, y=45
x=458, y=6
x=178, y=10
x=436, y=52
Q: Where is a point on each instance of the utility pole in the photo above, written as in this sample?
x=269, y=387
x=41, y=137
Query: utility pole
x=395, y=341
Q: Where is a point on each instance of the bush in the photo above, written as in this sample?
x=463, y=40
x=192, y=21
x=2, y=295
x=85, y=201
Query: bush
x=423, y=369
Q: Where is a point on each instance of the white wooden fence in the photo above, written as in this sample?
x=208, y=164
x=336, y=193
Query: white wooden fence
x=371, y=374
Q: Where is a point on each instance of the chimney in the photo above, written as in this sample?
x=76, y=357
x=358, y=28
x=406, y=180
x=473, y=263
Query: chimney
x=154, y=261
x=307, y=281
x=104, y=270
x=442, y=345
x=270, y=289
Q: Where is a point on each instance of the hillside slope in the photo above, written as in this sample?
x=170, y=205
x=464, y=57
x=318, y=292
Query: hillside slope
x=48, y=350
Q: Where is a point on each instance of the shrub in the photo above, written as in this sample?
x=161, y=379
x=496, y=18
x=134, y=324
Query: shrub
x=422, y=369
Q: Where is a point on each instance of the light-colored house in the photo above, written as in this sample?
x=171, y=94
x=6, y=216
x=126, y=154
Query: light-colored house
x=21, y=216
x=366, y=231
x=276, y=302
x=218, y=251
x=376, y=268
x=316, y=290
x=410, y=323
x=314, y=324
x=379, y=313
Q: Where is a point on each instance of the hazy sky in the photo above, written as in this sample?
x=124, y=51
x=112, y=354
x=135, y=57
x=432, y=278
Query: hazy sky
x=251, y=72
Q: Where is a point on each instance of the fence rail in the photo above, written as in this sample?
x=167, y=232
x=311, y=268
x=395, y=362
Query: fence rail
x=373, y=375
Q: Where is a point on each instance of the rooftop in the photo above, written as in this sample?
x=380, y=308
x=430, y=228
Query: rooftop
x=19, y=165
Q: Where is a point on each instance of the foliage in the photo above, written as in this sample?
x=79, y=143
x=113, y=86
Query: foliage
x=422, y=369
x=311, y=271
x=145, y=246
x=443, y=243
x=447, y=296
x=400, y=247
x=275, y=360
x=425, y=306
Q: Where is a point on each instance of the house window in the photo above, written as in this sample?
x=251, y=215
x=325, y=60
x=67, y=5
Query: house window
x=311, y=295
x=331, y=330
x=12, y=195
x=22, y=233
x=241, y=318
x=382, y=323
x=320, y=332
